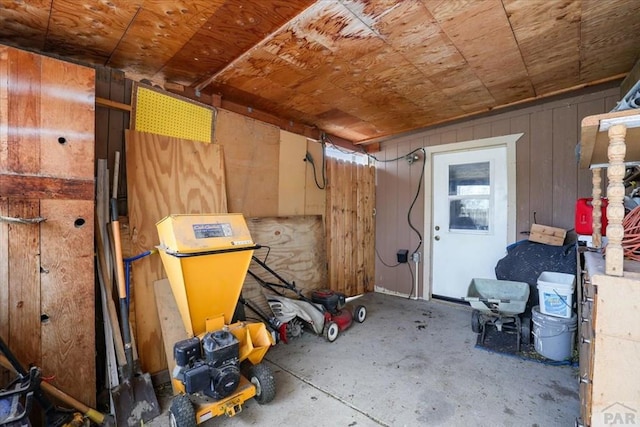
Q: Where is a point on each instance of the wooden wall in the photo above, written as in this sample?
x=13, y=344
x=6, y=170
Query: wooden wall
x=47, y=171
x=548, y=178
x=350, y=227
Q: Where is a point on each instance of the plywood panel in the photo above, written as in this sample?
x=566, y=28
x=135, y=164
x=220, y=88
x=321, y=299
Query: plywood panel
x=67, y=290
x=4, y=270
x=296, y=252
x=24, y=283
x=23, y=148
x=314, y=197
x=292, y=171
x=166, y=176
x=67, y=142
x=252, y=158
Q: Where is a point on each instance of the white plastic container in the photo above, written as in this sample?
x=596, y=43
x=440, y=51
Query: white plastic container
x=555, y=291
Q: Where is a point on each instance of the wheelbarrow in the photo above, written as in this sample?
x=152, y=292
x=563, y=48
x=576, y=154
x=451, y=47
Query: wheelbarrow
x=499, y=303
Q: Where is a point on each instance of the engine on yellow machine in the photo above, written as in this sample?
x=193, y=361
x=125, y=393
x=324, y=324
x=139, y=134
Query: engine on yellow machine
x=209, y=365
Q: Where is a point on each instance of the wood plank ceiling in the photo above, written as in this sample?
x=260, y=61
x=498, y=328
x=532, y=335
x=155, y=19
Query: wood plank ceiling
x=358, y=69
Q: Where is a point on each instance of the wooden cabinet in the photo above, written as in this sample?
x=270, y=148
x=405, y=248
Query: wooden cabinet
x=609, y=344
x=47, y=290
x=609, y=311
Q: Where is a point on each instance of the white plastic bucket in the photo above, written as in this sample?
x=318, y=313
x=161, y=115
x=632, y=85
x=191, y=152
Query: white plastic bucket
x=555, y=291
x=553, y=337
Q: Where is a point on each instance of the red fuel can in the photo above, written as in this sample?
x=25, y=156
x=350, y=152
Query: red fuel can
x=584, y=210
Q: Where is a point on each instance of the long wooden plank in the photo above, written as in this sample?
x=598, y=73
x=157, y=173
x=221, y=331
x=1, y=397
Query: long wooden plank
x=170, y=321
x=44, y=187
x=370, y=229
x=165, y=176
x=23, y=148
x=24, y=283
x=4, y=270
x=67, y=296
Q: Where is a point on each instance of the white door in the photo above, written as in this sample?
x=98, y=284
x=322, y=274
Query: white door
x=469, y=227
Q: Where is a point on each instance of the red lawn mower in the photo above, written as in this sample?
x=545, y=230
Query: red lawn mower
x=327, y=312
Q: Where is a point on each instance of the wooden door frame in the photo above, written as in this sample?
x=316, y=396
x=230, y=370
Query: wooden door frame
x=507, y=140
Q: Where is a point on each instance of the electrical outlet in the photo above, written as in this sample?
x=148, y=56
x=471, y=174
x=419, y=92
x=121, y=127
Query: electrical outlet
x=415, y=257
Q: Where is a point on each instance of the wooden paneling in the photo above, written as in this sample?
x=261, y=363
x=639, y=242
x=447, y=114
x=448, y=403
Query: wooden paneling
x=292, y=168
x=541, y=158
x=111, y=124
x=166, y=176
x=47, y=169
x=314, y=197
x=351, y=268
x=296, y=252
x=252, y=154
x=24, y=283
x=67, y=294
x=336, y=66
x=565, y=166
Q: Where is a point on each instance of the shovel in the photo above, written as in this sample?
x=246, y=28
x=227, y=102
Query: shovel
x=134, y=399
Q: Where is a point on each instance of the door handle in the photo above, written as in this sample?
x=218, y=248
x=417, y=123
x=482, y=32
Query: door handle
x=437, y=237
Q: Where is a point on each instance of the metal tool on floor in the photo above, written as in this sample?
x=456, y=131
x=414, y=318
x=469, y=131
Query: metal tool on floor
x=17, y=398
x=500, y=303
x=220, y=367
x=134, y=398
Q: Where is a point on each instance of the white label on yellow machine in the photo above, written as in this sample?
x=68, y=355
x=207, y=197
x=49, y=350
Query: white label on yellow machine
x=241, y=242
x=206, y=231
x=204, y=417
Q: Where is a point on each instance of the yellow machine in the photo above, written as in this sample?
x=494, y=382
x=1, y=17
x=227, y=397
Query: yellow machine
x=206, y=258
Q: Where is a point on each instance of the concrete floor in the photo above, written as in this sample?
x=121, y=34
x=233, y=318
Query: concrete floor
x=411, y=363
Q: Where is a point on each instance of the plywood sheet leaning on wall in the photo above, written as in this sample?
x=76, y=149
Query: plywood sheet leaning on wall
x=252, y=152
x=296, y=251
x=350, y=227
x=165, y=176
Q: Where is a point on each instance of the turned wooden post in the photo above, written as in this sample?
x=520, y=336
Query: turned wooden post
x=615, y=194
x=596, y=203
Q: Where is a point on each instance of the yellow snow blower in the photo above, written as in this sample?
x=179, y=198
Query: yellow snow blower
x=219, y=367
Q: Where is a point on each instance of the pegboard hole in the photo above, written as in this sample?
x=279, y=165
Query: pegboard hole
x=79, y=222
x=44, y=318
x=62, y=140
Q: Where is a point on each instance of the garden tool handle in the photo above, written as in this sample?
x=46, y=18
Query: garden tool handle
x=115, y=229
x=122, y=290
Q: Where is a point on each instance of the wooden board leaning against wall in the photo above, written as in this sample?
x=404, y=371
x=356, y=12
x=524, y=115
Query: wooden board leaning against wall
x=46, y=175
x=265, y=175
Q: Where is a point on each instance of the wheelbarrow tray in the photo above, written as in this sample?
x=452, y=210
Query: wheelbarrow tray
x=498, y=297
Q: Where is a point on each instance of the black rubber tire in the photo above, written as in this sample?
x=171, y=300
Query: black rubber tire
x=181, y=413
x=525, y=330
x=475, y=322
x=331, y=331
x=360, y=313
x=261, y=376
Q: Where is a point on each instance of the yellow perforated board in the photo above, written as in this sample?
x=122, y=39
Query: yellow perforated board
x=168, y=115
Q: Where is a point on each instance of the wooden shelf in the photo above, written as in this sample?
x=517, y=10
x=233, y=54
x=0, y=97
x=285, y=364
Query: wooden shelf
x=594, y=141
